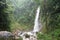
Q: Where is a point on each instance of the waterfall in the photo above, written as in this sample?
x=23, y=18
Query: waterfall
x=36, y=22
x=37, y=28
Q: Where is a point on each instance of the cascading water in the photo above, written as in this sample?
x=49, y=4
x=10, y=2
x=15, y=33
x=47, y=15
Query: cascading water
x=36, y=23
x=37, y=28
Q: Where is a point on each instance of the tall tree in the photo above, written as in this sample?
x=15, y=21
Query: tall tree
x=4, y=21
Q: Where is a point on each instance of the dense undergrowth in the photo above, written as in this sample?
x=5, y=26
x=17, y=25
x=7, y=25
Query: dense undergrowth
x=51, y=36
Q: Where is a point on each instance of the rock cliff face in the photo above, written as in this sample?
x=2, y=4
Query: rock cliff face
x=5, y=35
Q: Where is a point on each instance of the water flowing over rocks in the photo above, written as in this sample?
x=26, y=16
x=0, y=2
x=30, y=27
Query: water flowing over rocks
x=31, y=35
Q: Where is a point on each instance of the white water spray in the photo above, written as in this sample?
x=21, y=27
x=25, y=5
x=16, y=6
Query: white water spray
x=36, y=23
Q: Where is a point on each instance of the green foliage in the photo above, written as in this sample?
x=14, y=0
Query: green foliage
x=45, y=37
x=4, y=21
x=21, y=14
x=16, y=15
x=50, y=15
x=56, y=34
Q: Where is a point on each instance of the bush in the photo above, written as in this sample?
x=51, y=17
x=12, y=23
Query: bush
x=44, y=37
